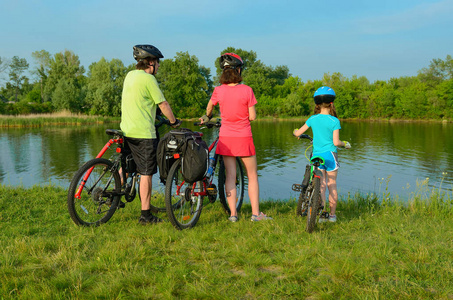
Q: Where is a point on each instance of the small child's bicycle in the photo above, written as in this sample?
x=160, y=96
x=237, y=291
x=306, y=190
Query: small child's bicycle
x=310, y=202
x=184, y=201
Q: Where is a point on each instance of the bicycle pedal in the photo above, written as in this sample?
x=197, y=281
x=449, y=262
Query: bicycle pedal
x=212, y=193
x=297, y=187
x=212, y=189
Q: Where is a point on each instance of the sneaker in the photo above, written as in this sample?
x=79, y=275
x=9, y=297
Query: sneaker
x=152, y=219
x=324, y=217
x=260, y=217
x=233, y=219
x=333, y=218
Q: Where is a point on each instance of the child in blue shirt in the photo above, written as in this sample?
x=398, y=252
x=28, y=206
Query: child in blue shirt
x=326, y=138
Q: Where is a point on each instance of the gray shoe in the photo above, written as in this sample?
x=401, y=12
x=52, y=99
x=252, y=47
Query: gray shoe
x=260, y=217
x=233, y=219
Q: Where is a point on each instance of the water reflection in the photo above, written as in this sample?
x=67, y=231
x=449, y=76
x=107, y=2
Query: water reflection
x=406, y=152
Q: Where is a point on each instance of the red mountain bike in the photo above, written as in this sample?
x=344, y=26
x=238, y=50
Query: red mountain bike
x=97, y=187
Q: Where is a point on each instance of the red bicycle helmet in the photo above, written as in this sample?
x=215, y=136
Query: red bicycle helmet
x=231, y=60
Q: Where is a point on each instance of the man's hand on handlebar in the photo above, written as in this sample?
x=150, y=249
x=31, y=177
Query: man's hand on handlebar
x=176, y=124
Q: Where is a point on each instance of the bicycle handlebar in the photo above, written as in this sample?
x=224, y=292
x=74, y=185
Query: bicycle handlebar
x=161, y=121
x=209, y=124
x=306, y=136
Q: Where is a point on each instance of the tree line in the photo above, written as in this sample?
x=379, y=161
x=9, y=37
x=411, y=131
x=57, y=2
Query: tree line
x=60, y=82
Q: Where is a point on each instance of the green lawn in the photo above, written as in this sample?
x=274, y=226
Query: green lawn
x=376, y=250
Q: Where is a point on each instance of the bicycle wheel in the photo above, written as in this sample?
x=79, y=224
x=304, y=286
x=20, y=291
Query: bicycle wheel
x=301, y=209
x=93, y=194
x=240, y=186
x=314, y=204
x=183, y=208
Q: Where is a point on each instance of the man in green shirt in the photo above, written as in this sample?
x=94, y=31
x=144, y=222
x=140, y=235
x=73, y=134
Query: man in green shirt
x=140, y=99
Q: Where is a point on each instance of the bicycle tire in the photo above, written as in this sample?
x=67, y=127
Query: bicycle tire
x=183, y=209
x=240, y=186
x=99, y=196
x=301, y=208
x=314, y=204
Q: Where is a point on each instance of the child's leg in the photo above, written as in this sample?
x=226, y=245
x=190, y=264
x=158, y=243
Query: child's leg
x=333, y=194
x=251, y=167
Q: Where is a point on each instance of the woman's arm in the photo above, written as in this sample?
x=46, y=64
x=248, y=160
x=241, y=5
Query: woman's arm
x=252, y=113
x=209, y=109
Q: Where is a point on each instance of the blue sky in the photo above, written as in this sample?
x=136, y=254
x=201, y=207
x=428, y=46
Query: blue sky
x=377, y=39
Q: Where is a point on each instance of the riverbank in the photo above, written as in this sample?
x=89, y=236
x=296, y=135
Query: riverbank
x=54, y=119
x=377, y=249
x=67, y=118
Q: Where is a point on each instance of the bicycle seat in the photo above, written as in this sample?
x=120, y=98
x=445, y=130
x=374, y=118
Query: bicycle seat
x=114, y=132
x=317, y=160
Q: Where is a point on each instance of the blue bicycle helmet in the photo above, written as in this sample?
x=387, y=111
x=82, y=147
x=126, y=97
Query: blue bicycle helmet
x=324, y=94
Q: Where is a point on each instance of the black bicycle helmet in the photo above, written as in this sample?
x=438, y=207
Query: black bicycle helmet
x=144, y=51
x=231, y=60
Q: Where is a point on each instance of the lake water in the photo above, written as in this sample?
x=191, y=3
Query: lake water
x=385, y=156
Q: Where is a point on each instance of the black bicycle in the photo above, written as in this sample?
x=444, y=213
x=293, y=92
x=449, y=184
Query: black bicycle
x=184, y=201
x=96, y=189
x=310, y=201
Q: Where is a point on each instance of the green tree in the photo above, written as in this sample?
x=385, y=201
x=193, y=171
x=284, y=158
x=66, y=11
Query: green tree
x=17, y=67
x=444, y=93
x=66, y=95
x=410, y=98
x=437, y=71
x=42, y=70
x=4, y=64
x=104, y=87
x=184, y=84
x=65, y=67
x=381, y=102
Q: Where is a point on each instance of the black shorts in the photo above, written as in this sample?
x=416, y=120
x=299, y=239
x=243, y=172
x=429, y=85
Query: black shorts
x=144, y=154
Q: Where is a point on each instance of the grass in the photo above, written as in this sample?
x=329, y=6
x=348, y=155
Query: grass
x=376, y=250
x=60, y=118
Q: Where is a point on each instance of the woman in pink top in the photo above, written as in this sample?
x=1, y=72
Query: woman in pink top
x=237, y=109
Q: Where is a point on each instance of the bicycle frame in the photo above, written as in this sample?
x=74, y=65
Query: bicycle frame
x=112, y=141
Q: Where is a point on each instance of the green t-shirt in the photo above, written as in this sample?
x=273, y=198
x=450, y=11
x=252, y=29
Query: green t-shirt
x=140, y=98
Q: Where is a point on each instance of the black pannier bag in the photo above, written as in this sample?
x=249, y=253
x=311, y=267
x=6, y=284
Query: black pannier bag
x=192, y=150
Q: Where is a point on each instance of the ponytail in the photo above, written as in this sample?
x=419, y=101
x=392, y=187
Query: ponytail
x=332, y=110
